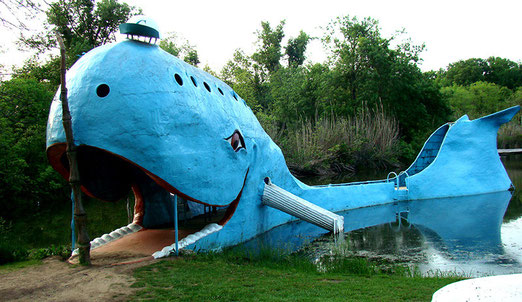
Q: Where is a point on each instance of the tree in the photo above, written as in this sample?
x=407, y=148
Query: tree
x=83, y=24
x=367, y=71
x=179, y=48
x=495, y=70
x=349, y=41
x=14, y=13
x=287, y=90
x=478, y=99
x=296, y=48
x=251, y=76
x=28, y=182
x=465, y=72
x=503, y=72
x=244, y=76
x=268, y=54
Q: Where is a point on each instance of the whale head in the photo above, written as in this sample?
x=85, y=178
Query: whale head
x=143, y=118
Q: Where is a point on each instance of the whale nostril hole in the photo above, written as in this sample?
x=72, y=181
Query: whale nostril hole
x=194, y=81
x=103, y=90
x=178, y=79
x=206, y=86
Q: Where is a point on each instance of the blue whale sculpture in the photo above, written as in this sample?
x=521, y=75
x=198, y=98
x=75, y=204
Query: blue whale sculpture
x=145, y=120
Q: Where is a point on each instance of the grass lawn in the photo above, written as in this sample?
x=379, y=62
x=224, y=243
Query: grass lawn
x=215, y=278
x=9, y=267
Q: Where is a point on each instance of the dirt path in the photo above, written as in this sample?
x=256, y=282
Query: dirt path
x=56, y=280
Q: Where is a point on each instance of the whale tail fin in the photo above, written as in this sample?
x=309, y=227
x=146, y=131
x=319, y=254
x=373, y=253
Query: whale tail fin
x=501, y=117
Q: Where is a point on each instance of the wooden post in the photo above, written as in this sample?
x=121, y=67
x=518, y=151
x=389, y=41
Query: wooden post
x=176, y=223
x=80, y=217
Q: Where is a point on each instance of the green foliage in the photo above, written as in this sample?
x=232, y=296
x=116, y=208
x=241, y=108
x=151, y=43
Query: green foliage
x=479, y=98
x=296, y=48
x=479, y=87
x=62, y=251
x=366, y=70
x=9, y=252
x=43, y=232
x=181, y=49
x=29, y=181
x=288, y=91
x=499, y=71
x=47, y=72
x=269, y=40
x=83, y=24
x=244, y=76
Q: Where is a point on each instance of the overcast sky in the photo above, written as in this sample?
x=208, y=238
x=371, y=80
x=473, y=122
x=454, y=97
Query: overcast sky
x=452, y=30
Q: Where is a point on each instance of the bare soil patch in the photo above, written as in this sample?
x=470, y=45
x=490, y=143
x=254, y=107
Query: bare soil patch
x=56, y=280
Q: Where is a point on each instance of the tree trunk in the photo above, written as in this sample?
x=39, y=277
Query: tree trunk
x=80, y=217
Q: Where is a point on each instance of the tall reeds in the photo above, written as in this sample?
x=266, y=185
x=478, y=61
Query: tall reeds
x=332, y=144
x=510, y=134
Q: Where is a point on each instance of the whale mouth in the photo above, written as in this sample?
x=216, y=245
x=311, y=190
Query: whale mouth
x=110, y=177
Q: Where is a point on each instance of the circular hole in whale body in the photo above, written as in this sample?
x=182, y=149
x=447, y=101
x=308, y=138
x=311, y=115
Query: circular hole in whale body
x=178, y=79
x=206, y=86
x=103, y=90
x=194, y=81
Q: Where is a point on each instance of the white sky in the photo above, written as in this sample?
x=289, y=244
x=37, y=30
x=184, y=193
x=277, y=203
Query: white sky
x=452, y=30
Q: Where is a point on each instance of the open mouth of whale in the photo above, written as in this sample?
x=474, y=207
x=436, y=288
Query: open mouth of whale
x=110, y=177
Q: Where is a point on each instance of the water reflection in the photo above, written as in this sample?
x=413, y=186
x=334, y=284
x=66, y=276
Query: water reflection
x=468, y=235
x=436, y=234
x=467, y=227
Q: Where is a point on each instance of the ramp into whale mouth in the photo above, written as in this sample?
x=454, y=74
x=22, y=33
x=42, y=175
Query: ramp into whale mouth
x=109, y=177
x=135, y=246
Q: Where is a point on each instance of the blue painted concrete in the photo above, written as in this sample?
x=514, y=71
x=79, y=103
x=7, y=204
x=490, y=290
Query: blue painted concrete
x=194, y=136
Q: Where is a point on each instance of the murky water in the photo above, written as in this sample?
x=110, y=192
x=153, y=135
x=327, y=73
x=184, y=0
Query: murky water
x=472, y=236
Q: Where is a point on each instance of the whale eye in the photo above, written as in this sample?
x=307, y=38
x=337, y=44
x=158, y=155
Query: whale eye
x=236, y=141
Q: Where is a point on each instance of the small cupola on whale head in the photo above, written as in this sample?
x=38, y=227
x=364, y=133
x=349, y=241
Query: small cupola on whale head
x=141, y=28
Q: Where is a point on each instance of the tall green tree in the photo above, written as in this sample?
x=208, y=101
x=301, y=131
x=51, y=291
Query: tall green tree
x=368, y=71
x=244, y=76
x=179, y=48
x=251, y=76
x=28, y=182
x=296, y=48
x=479, y=98
x=465, y=72
x=268, y=54
x=83, y=24
x=495, y=70
x=503, y=72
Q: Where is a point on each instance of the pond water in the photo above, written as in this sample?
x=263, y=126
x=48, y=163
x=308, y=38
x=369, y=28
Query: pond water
x=472, y=236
